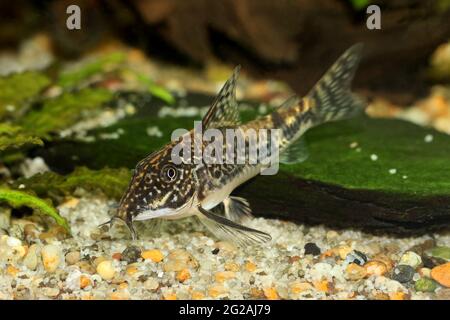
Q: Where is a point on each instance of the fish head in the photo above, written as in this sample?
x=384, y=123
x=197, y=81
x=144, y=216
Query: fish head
x=159, y=188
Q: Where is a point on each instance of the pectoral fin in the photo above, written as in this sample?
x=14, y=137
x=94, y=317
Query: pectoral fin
x=229, y=230
x=235, y=209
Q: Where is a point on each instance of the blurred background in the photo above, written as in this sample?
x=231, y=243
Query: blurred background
x=290, y=40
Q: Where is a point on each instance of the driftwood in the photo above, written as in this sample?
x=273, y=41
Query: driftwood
x=311, y=202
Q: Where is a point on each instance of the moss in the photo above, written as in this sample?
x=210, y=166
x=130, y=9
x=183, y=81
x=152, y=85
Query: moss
x=86, y=70
x=19, y=88
x=20, y=198
x=111, y=182
x=63, y=111
x=420, y=166
x=12, y=136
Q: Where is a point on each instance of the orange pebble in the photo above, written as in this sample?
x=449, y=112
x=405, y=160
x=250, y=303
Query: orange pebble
x=197, y=295
x=84, y=282
x=398, y=296
x=222, y=276
x=117, y=256
x=441, y=274
x=323, y=286
x=298, y=287
x=11, y=270
x=250, y=266
x=154, y=255
x=183, y=275
x=170, y=296
x=375, y=267
x=271, y=293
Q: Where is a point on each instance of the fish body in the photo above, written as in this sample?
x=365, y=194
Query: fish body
x=161, y=188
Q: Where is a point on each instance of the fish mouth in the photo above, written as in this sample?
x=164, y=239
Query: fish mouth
x=163, y=212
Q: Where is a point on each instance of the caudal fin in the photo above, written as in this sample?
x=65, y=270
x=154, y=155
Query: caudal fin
x=331, y=97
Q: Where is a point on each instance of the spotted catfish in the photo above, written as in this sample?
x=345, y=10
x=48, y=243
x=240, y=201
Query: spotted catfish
x=162, y=189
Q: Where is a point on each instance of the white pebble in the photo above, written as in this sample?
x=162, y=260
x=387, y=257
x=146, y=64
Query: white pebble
x=13, y=242
x=106, y=270
x=428, y=138
x=353, y=145
x=392, y=171
x=373, y=157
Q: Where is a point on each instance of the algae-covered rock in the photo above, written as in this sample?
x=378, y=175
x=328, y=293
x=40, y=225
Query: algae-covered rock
x=63, y=111
x=12, y=136
x=19, y=88
x=112, y=182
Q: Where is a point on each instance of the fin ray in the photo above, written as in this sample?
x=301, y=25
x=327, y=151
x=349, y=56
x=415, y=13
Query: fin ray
x=224, y=111
x=229, y=230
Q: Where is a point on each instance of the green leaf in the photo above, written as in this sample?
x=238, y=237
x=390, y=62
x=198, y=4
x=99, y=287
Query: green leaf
x=156, y=90
x=20, y=198
x=19, y=88
x=12, y=136
x=65, y=110
x=87, y=69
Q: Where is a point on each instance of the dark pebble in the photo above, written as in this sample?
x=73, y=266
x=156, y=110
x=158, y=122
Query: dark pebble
x=356, y=257
x=131, y=254
x=431, y=262
x=312, y=248
x=403, y=273
x=215, y=251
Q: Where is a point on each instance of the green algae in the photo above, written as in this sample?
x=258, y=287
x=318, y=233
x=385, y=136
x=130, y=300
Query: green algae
x=19, y=88
x=12, y=136
x=112, y=182
x=63, y=111
x=90, y=68
x=18, y=199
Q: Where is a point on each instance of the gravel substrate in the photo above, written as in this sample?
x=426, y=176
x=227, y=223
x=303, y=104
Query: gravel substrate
x=183, y=261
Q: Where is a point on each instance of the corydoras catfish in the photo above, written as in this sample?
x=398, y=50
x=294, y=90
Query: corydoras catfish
x=163, y=189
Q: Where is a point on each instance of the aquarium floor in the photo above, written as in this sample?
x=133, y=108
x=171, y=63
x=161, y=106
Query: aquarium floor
x=183, y=261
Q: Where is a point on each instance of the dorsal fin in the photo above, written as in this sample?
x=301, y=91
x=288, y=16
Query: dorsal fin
x=224, y=111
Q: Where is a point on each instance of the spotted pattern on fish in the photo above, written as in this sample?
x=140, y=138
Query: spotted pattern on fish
x=161, y=189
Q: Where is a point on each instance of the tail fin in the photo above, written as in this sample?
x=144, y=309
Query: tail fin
x=331, y=97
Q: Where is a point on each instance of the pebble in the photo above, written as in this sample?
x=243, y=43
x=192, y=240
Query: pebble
x=106, y=270
x=183, y=275
x=271, y=293
x=31, y=260
x=355, y=272
x=250, y=266
x=226, y=248
x=154, y=255
x=442, y=274
x=425, y=285
x=223, y=276
x=356, y=257
x=151, y=284
x=178, y=260
x=375, y=267
x=51, y=257
x=299, y=287
x=231, y=266
x=312, y=249
x=131, y=254
x=217, y=291
x=411, y=259
x=72, y=257
x=403, y=273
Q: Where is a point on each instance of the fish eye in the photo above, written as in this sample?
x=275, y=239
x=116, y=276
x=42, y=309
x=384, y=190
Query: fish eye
x=169, y=173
